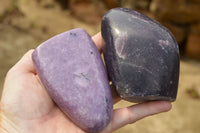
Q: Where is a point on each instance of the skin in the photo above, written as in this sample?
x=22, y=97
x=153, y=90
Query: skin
x=27, y=108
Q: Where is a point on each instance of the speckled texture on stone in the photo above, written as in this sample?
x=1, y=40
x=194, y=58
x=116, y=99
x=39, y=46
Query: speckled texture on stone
x=142, y=56
x=71, y=69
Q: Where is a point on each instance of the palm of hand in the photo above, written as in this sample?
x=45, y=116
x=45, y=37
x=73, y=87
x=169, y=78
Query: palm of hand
x=29, y=105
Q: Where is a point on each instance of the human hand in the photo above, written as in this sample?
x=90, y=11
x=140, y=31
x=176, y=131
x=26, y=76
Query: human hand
x=26, y=106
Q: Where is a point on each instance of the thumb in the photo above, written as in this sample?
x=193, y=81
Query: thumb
x=129, y=115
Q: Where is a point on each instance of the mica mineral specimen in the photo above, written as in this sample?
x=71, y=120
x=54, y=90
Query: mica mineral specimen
x=71, y=69
x=142, y=56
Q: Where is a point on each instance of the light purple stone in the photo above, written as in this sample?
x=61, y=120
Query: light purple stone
x=71, y=69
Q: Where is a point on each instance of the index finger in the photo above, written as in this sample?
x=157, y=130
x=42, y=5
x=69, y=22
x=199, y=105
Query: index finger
x=98, y=40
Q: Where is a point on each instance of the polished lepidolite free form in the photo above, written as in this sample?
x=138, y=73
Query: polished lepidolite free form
x=142, y=56
x=71, y=69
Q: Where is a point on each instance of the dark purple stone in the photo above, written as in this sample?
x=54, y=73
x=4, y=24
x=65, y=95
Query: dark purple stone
x=142, y=56
x=71, y=69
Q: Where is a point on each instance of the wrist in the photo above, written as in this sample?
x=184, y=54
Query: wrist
x=6, y=125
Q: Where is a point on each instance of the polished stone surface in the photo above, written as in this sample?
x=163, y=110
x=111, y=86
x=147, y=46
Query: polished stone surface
x=142, y=56
x=71, y=69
